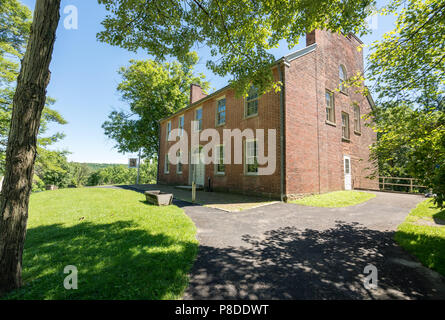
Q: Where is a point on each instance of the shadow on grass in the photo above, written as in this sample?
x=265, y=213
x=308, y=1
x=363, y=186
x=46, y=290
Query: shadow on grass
x=439, y=217
x=289, y=263
x=114, y=261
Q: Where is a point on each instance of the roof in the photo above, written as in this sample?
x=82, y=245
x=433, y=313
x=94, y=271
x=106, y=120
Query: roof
x=288, y=58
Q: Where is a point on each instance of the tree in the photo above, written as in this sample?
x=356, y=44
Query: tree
x=153, y=91
x=28, y=103
x=238, y=33
x=408, y=71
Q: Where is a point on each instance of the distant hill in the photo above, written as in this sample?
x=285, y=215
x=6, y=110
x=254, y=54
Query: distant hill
x=98, y=166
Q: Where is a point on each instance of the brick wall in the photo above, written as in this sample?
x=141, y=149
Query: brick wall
x=235, y=179
x=314, y=149
x=314, y=162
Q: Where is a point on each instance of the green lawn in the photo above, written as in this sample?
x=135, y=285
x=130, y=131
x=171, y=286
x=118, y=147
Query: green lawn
x=424, y=241
x=122, y=247
x=335, y=199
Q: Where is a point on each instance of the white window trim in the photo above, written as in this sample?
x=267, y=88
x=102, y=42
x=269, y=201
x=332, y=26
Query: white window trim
x=332, y=107
x=342, y=88
x=217, y=159
x=169, y=129
x=166, y=165
x=245, y=107
x=194, y=118
x=359, y=130
x=348, y=126
x=245, y=158
x=177, y=165
x=181, y=133
x=216, y=112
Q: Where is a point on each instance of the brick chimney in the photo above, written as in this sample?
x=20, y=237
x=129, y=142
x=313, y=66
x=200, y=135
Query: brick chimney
x=196, y=93
x=310, y=38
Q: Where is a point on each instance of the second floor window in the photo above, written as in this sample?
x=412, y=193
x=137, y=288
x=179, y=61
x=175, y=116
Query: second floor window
x=330, y=108
x=198, y=119
x=221, y=111
x=252, y=102
x=342, y=78
x=169, y=129
x=181, y=125
x=357, y=119
x=345, y=125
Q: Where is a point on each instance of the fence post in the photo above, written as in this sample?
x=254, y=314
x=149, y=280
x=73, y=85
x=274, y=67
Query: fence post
x=383, y=184
x=411, y=185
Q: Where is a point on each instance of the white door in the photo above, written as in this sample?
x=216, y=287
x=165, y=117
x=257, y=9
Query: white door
x=347, y=171
x=198, y=167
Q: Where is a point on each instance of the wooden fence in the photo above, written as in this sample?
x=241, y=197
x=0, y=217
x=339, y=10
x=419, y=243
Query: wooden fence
x=400, y=184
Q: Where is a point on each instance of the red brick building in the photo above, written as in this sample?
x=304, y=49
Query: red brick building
x=322, y=143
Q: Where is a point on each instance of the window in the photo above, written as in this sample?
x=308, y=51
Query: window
x=166, y=164
x=181, y=125
x=330, y=108
x=251, y=157
x=357, y=126
x=219, y=160
x=342, y=77
x=221, y=112
x=169, y=129
x=345, y=125
x=179, y=165
x=252, y=102
x=198, y=119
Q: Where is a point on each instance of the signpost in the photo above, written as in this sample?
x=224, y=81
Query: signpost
x=136, y=163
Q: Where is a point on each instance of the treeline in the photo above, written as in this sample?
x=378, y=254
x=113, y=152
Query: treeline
x=53, y=169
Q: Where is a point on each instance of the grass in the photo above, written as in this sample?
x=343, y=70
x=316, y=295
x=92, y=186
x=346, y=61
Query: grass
x=418, y=235
x=335, y=199
x=122, y=247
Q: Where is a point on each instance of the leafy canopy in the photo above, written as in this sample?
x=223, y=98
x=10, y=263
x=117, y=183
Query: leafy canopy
x=407, y=67
x=154, y=91
x=238, y=33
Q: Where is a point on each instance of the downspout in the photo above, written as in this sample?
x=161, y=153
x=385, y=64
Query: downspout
x=282, y=137
x=159, y=151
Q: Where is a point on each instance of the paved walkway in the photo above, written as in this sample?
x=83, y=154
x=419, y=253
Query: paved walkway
x=287, y=251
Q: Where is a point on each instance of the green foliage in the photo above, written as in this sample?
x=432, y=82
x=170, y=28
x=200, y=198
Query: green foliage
x=419, y=236
x=121, y=174
x=153, y=91
x=122, y=247
x=238, y=33
x=408, y=70
x=335, y=199
x=409, y=63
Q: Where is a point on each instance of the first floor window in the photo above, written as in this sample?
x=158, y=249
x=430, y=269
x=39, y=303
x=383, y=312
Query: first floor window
x=166, y=164
x=179, y=165
x=345, y=125
x=251, y=157
x=357, y=118
x=220, y=167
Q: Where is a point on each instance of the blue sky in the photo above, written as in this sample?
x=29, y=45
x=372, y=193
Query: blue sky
x=84, y=80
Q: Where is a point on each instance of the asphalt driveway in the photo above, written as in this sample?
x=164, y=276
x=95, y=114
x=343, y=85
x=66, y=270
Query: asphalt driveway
x=287, y=251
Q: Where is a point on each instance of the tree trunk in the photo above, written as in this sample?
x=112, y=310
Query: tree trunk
x=29, y=100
